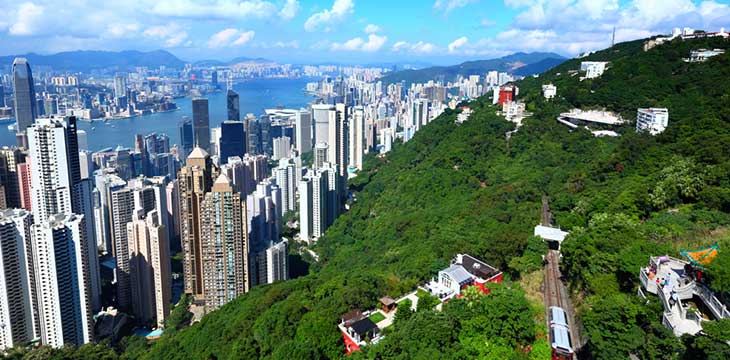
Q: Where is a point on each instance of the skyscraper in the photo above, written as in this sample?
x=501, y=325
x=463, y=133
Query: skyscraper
x=303, y=128
x=233, y=106
x=25, y=105
x=121, y=207
x=224, y=244
x=306, y=208
x=285, y=177
x=10, y=158
x=339, y=152
x=324, y=115
x=63, y=280
x=232, y=141
x=277, y=264
x=120, y=91
x=187, y=139
x=321, y=153
x=194, y=180
x=57, y=187
x=201, y=123
x=356, y=140
x=149, y=263
x=24, y=186
x=17, y=282
x=281, y=148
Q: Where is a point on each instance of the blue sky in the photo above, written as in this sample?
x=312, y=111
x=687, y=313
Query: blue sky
x=358, y=31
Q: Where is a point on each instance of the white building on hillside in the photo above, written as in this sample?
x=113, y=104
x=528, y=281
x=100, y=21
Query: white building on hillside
x=653, y=120
x=593, y=69
x=549, y=91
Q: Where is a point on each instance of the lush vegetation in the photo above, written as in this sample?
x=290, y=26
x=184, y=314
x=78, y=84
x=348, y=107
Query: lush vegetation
x=466, y=188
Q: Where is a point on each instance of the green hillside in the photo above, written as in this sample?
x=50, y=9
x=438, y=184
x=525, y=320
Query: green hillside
x=466, y=188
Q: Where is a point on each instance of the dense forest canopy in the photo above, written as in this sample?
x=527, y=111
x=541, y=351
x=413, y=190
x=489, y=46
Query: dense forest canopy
x=466, y=188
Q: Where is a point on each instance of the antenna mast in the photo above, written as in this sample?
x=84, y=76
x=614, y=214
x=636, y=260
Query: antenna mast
x=613, y=37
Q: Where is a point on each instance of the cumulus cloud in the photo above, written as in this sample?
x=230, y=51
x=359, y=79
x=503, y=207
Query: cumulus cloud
x=289, y=10
x=575, y=26
x=28, y=20
x=448, y=5
x=216, y=9
x=340, y=10
x=372, y=28
x=172, y=35
x=230, y=37
x=487, y=23
x=373, y=43
x=458, y=43
x=416, y=48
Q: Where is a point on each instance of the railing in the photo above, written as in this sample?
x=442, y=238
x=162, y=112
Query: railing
x=716, y=306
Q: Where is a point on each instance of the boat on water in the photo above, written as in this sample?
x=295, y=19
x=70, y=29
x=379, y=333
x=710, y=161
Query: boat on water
x=13, y=127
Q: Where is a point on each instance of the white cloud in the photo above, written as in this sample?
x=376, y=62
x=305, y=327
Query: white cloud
x=487, y=23
x=575, y=26
x=341, y=9
x=289, y=10
x=458, y=43
x=230, y=37
x=417, y=48
x=244, y=37
x=217, y=9
x=28, y=19
x=372, y=28
x=122, y=30
x=448, y=5
x=172, y=34
x=373, y=43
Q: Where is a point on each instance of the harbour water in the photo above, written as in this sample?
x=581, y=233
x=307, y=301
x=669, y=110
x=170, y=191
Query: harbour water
x=255, y=96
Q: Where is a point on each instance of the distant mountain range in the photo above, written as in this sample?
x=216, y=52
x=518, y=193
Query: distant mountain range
x=237, y=60
x=520, y=63
x=85, y=61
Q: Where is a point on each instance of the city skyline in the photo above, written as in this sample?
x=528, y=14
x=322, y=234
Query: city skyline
x=347, y=30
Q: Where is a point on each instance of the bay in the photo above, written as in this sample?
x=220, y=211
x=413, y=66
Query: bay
x=255, y=96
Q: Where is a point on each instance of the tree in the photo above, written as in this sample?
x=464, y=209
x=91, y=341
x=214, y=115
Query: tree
x=403, y=312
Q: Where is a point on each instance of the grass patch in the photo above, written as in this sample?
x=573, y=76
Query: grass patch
x=377, y=317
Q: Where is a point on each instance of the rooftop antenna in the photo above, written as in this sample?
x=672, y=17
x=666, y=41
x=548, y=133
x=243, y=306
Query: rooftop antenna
x=229, y=81
x=613, y=37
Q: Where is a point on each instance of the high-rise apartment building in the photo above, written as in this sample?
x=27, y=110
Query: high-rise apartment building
x=324, y=116
x=194, y=181
x=281, y=148
x=224, y=244
x=306, y=209
x=303, y=131
x=24, y=186
x=321, y=155
x=285, y=177
x=121, y=209
x=277, y=265
x=201, y=123
x=339, y=148
x=57, y=187
x=10, y=158
x=356, y=140
x=149, y=263
x=18, y=307
x=63, y=281
x=25, y=104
